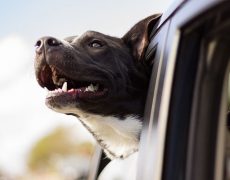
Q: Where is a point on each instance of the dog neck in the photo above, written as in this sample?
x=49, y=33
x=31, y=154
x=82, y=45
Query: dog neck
x=118, y=137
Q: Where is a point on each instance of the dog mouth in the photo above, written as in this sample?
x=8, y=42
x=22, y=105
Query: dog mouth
x=64, y=88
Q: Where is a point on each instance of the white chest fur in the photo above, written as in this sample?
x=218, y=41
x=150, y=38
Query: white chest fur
x=118, y=137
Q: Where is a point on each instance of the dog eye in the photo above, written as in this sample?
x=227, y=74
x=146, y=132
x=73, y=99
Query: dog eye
x=96, y=44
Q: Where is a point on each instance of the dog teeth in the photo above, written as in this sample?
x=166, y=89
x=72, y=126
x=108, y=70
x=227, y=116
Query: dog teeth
x=46, y=89
x=64, y=87
x=51, y=94
x=96, y=87
x=55, y=92
x=92, y=88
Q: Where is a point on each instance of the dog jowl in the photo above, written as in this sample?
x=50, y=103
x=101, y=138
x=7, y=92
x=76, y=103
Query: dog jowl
x=102, y=80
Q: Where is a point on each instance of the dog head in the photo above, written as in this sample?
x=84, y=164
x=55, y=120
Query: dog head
x=96, y=73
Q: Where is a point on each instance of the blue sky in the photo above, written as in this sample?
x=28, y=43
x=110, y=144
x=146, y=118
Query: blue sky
x=62, y=18
x=23, y=116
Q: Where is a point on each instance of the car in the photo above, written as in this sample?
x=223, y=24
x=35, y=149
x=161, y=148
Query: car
x=185, y=133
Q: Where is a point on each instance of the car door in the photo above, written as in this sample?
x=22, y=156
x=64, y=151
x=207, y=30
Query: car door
x=186, y=126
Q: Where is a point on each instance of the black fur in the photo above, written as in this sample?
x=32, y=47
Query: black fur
x=117, y=65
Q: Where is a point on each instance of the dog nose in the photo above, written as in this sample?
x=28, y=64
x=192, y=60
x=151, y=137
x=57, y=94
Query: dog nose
x=46, y=42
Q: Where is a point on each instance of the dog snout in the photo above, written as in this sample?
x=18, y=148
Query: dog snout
x=46, y=42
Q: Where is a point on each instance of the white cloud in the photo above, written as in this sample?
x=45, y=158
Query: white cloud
x=14, y=54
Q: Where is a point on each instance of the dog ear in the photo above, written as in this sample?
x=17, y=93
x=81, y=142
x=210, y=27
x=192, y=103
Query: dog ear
x=137, y=38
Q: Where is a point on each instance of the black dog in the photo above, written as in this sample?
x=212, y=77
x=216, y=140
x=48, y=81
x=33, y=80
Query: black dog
x=100, y=79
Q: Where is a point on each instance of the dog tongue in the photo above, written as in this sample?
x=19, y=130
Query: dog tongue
x=90, y=94
x=80, y=93
x=64, y=87
x=83, y=93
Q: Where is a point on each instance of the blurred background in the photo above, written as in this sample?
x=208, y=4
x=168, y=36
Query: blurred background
x=35, y=142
